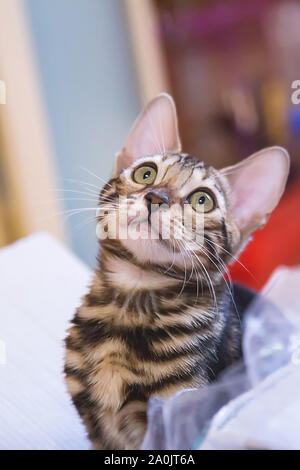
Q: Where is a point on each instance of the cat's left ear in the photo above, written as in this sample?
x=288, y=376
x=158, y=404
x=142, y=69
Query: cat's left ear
x=154, y=132
x=256, y=186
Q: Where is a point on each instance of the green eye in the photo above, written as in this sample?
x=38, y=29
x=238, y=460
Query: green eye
x=145, y=175
x=201, y=201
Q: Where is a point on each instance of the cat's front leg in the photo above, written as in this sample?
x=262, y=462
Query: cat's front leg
x=123, y=429
x=132, y=423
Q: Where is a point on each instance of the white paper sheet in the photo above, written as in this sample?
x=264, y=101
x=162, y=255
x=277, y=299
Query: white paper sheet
x=41, y=284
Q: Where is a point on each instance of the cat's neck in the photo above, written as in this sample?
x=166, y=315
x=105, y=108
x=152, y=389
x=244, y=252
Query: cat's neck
x=122, y=270
x=146, y=292
x=130, y=277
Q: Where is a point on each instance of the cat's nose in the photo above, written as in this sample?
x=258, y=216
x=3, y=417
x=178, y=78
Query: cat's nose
x=157, y=198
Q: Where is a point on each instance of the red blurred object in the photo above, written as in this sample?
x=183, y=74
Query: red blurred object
x=278, y=243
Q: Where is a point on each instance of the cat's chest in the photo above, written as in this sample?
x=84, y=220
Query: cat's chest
x=110, y=382
x=118, y=369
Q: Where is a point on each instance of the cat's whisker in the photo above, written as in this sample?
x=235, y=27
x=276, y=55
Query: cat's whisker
x=71, y=212
x=193, y=268
x=76, y=191
x=181, y=227
x=75, y=199
x=170, y=267
x=81, y=209
x=84, y=223
x=191, y=275
x=47, y=203
x=233, y=257
x=209, y=241
x=218, y=235
x=95, y=176
x=228, y=286
x=225, y=269
x=204, y=270
x=210, y=283
x=212, y=289
x=76, y=212
x=184, y=281
x=92, y=187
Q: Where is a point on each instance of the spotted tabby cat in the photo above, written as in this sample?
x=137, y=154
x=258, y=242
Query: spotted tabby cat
x=159, y=316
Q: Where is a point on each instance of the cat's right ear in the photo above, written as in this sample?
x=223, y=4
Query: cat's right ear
x=256, y=186
x=154, y=132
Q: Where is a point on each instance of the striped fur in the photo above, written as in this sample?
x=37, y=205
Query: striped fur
x=153, y=322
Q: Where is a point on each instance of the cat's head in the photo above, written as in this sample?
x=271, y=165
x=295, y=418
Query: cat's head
x=168, y=208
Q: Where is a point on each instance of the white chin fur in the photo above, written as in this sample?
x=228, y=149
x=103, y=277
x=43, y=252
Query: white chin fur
x=148, y=250
x=154, y=251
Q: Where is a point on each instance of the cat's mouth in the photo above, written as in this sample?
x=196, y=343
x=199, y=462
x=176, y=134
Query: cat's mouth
x=151, y=228
x=146, y=225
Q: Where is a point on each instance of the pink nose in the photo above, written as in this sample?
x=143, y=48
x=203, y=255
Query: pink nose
x=157, y=198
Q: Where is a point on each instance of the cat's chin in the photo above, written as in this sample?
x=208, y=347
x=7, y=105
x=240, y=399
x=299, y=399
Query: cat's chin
x=158, y=252
x=149, y=250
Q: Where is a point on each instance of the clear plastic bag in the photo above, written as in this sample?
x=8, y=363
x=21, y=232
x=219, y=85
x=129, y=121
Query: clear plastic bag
x=252, y=405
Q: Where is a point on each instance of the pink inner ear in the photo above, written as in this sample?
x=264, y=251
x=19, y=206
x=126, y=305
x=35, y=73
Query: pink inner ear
x=155, y=131
x=257, y=185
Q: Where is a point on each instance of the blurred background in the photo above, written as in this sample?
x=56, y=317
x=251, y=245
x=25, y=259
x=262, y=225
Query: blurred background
x=77, y=72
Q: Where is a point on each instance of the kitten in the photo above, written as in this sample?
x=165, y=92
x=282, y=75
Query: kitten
x=160, y=316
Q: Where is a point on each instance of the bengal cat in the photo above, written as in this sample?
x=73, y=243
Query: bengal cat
x=160, y=315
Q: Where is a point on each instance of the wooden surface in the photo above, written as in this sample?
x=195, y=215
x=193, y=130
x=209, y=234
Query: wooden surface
x=147, y=48
x=25, y=150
